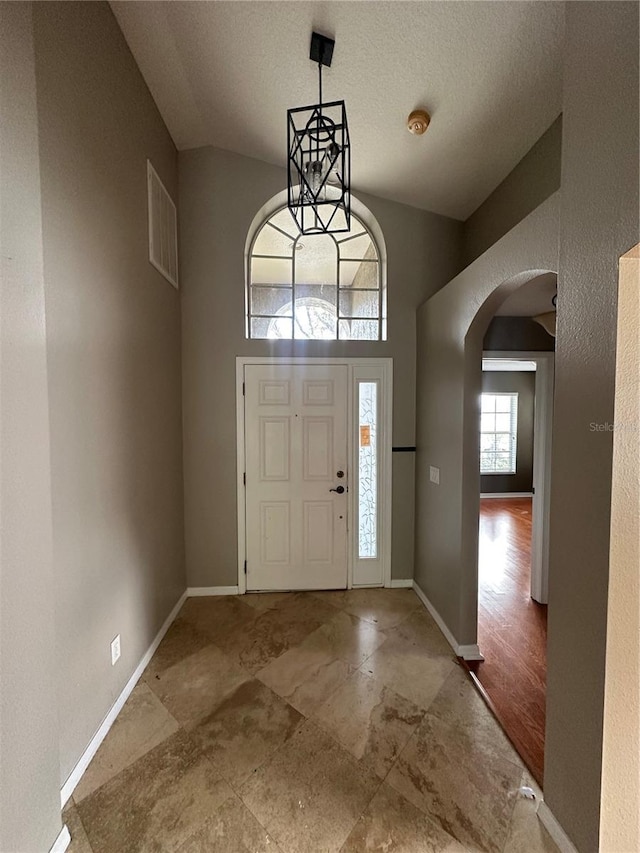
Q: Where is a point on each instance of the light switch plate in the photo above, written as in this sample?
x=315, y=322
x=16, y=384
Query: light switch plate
x=434, y=475
x=115, y=650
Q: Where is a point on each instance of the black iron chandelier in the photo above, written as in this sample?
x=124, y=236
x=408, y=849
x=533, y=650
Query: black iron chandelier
x=319, y=159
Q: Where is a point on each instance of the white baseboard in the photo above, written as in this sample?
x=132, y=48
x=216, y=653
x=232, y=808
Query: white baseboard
x=62, y=841
x=195, y=591
x=94, y=744
x=506, y=494
x=548, y=820
x=468, y=652
x=401, y=583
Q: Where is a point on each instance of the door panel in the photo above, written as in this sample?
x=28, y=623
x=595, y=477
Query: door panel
x=275, y=532
x=295, y=443
x=317, y=531
x=274, y=449
x=317, y=449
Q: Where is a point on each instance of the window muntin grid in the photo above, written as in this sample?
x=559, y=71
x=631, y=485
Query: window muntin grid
x=498, y=433
x=292, y=277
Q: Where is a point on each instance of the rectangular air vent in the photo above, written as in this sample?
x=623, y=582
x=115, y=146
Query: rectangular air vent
x=163, y=228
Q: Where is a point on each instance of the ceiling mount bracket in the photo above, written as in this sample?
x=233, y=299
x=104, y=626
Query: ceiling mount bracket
x=321, y=49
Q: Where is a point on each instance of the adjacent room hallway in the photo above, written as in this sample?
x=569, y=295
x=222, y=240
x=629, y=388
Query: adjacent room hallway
x=512, y=627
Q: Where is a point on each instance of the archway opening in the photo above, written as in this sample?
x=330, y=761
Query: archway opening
x=512, y=434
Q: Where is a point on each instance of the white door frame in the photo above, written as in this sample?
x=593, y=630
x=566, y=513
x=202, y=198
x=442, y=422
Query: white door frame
x=359, y=369
x=542, y=432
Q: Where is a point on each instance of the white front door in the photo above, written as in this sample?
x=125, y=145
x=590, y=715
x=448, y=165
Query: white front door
x=296, y=459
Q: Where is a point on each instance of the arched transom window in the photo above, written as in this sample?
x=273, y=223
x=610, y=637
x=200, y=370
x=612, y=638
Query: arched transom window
x=314, y=287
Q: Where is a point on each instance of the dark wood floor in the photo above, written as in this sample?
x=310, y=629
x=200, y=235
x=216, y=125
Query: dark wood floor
x=512, y=628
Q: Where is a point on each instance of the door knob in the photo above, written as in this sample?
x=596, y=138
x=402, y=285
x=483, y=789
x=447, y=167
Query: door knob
x=338, y=489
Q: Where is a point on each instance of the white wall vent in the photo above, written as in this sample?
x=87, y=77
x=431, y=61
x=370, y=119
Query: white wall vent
x=163, y=228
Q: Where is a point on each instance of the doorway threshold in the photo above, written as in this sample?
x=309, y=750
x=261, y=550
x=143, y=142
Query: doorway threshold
x=532, y=759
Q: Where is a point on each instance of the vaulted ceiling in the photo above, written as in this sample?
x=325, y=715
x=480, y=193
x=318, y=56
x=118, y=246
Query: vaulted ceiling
x=225, y=73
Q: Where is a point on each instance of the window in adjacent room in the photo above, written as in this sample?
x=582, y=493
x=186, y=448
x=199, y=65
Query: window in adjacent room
x=498, y=433
x=314, y=287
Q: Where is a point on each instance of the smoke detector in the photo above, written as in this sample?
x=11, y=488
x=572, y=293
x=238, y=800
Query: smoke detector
x=418, y=122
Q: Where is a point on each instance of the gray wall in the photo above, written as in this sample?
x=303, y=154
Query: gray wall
x=533, y=180
x=523, y=384
x=29, y=772
x=220, y=193
x=451, y=328
x=599, y=223
x=517, y=333
x=113, y=339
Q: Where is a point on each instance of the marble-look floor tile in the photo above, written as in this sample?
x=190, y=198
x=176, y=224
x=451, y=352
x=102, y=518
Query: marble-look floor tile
x=180, y=641
x=232, y=829
x=391, y=824
x=383, y=607
x=192, y=688
x=307, y=673
x=458, y=783
x=335, y=597
x=217, y=616
x=369, y=720
x=409, y=710
x=245, y=729
x=266, y=600
x=142, y=724
x=410, y=670
x=310, y=794
x=459, y=704
x=419, y=630
x=156, y=804
x=350, y=638
x=274, y=631
x=526, y=833
x=79, y=840
x=301, y=606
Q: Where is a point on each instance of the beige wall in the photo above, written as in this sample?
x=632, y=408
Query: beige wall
x=451, y=328
x=220, y=193
x=533, y=180
x=113, y=339
x=599, y=223
x=29, y=771
x=620, y=800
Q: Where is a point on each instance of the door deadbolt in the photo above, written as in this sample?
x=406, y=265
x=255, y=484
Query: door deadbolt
x=340, y=475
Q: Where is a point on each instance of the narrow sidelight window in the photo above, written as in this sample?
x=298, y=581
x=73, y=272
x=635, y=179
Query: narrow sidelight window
x=368, y=470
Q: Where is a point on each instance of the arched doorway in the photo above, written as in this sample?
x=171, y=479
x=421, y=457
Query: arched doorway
x=514, y=432
x=451, y=329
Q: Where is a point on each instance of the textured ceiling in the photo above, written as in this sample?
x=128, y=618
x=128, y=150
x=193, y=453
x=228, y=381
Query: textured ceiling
x=225, y=73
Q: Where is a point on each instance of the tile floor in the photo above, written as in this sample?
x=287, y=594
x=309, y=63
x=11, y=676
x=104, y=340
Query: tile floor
x=305, y=723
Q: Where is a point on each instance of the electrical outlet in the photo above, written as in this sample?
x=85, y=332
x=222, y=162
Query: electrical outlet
x=434, y=475
x=115, y=650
